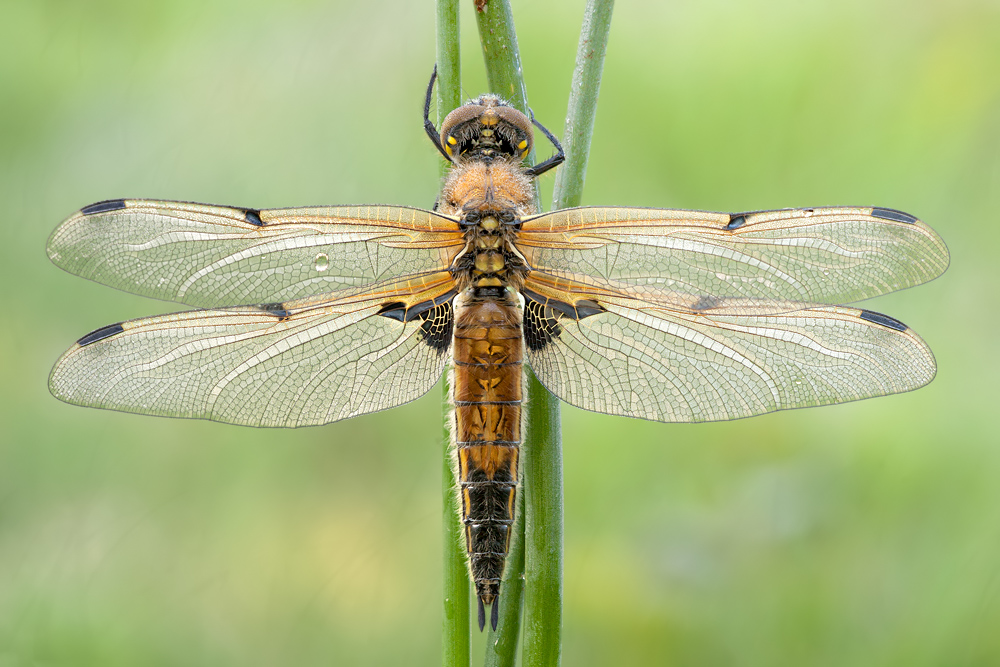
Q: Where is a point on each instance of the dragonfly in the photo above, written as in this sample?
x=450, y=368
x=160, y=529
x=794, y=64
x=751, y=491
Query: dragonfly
x=306, y=316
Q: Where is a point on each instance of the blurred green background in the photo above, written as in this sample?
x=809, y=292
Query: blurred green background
x=862, y=534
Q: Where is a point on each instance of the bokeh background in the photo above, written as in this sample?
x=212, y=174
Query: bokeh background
x=862, y=534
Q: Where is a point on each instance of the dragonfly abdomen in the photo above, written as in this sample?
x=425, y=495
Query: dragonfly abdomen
x=486, y=391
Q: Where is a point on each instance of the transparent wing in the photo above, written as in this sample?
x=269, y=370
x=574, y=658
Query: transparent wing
x=640, y=359
x=204, y=255
x=819, y=255
x=294, y=364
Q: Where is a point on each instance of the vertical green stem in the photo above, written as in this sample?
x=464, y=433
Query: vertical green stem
x=503, y=60
x=455, y=636
x=455, y=650
x=543, y=530
x=541, y=457
x=449, y=79
x=583, y=103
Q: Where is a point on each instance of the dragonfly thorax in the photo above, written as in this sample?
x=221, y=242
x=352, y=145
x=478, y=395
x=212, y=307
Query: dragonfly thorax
x=490, y=198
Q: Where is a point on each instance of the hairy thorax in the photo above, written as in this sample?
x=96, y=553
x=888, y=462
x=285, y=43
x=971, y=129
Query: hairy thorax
x=491, y=197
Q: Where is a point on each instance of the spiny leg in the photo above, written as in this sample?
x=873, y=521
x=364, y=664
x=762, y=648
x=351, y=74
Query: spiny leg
x=428, y=124
x=553, y=161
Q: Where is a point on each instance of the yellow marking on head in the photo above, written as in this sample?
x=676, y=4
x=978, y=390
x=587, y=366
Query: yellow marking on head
x=487, y=133
x=452, y=140
x=523, y=144
x=489, y=223
x=447, y=149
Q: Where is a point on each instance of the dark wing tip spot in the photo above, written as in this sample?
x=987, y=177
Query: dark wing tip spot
x=253, y=217
x=884, y=320
x=101, y=334
x=894, y=215
x=103, y=206
x=736, y=221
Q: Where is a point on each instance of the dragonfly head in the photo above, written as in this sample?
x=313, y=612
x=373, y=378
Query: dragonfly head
x=486, y=128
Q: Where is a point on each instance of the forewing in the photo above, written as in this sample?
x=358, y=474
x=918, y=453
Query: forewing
x=640, y=359
x=293, y=364
x=204, y=255
x=817, y=255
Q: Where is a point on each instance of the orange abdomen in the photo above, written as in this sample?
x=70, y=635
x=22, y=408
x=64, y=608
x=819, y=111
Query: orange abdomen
x=486, y=390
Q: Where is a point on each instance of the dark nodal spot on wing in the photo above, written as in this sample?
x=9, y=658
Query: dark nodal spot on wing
x=735, y=222
x=894, y=215
x=101, y=334
x=104, y=206
x=884, y=320
x=705, y=303
x=276, y=309
x=253, y=217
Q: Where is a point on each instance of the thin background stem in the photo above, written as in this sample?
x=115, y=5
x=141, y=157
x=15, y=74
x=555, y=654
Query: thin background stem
x=455, y=637
x=583, y=103
x=503, y=61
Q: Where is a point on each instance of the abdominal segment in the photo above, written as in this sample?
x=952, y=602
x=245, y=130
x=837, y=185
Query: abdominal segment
x=486, y=391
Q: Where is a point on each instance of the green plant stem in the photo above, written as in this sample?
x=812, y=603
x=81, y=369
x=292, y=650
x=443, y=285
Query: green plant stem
x=503, y=60
x=449, y=69
x=582, y=108
x=455, y=633
x=541, y=457
x=543, y=528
